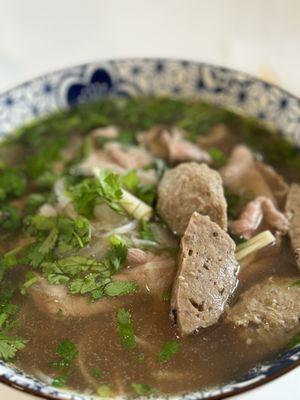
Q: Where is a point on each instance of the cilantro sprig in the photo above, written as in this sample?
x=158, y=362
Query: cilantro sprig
x=106, y=188
x=125, y=329
x=168, y=351
x=66, y=352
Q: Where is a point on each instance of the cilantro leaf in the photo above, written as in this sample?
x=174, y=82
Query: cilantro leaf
x=120, y=288
x=96, y=373
x=236, y=202
x=9, y=218
x=146, y=232
x=104, y=391
x=142, y=389
x=31, y=278
x=49, y=243
x=295, y=283
x=34, y=201
x=67, y=352
x=110, y=189
x=130, y=180
x=141, y=357
x=12, y=183
x=146, y=193
x=55, y=235
x=60, y=380
x=106, y=187
x=294, y=341
x=168, y=351
x=218, y=157
x=9, y=346
x=117, y=253
x=85, y=195
x=125, y=329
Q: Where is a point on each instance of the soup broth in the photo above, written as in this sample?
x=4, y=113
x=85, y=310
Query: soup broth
x=129, y=345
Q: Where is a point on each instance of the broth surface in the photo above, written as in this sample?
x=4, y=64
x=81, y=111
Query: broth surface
x=210, y=357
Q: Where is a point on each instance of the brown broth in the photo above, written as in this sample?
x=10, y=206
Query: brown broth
x=207, y=358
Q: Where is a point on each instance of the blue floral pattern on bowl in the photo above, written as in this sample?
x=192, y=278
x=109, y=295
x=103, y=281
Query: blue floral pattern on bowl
x=153, y=77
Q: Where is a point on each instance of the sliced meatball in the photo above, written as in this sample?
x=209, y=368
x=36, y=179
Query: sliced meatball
x=293, y=213
x=187, y=188
x=171, y=145
x=257, y=212
x=206, y=275
x=268, y=312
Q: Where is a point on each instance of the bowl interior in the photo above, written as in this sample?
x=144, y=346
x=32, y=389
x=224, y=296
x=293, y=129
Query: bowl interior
x=236, y=91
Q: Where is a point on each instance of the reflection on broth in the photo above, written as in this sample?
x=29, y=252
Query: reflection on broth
x=121, y=223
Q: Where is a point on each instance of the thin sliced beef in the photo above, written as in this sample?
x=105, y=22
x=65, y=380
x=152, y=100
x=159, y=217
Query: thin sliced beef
x=220, y=136
x=98, y=159
x=206, y=275
x=171, y=145
x=293, y=213
x=52, y=298
x=268, y=312
x=276, y=182
x=244, y=173
x=187, y=188
x=132, y=157
x=119, y=161
x=153, y=273
x=258, y=212
x=106, y=132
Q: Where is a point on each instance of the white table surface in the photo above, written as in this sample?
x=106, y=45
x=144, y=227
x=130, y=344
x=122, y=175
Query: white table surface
x=259, y=36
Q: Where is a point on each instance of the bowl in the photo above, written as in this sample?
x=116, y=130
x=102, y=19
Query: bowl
x=234, y=90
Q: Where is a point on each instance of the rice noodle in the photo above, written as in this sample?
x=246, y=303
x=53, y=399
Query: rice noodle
x=163, y=236
x=126, y=228
x=83, y=368
x=146, y=345
x=144, y=243
x=42, y=376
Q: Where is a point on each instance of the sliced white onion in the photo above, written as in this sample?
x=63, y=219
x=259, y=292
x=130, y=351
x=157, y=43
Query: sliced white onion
x=61, y=194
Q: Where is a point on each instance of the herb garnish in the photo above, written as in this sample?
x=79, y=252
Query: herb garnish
x=168, y=351
x=295, y=283
x=146, y=232
x=106, y=188
x=12, y=183
x=96, y=372
x=125, y=329
x=104, y=391
x=294, y=341
x=10, y=345
x=66, y=352
x=142, y=389
x=218, y=157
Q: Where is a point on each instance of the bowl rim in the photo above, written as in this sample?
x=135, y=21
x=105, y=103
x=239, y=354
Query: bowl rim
x=237, y=390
